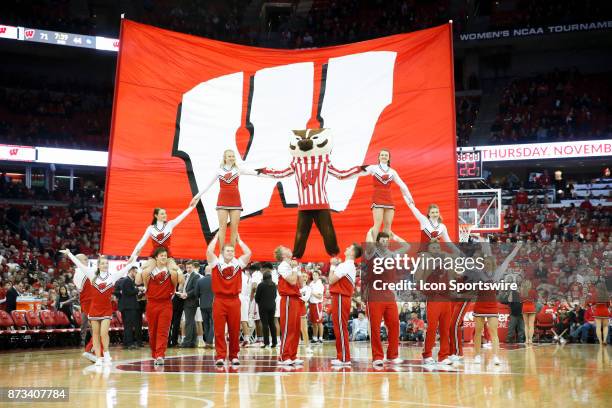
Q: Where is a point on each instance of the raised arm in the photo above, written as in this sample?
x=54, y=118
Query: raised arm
x=173, y=223
x=210, y=251
x=246, y=251
x=415, y=211
x=247, y=172
x=266, y=172
x=89, y=272
x=402, y=186
x=502, y=268
x=140, y=244
x=204, y=190
x=355, y=171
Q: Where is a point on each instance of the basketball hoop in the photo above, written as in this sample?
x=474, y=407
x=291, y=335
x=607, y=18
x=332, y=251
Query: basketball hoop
x=464, y=232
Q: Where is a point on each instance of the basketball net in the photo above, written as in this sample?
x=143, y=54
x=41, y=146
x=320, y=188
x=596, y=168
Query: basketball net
x=464, y=232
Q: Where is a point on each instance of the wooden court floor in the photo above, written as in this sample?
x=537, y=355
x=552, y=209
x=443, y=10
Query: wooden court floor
x=538, y=376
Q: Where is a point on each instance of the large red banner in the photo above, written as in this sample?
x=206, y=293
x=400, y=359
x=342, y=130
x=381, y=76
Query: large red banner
x=181, y=101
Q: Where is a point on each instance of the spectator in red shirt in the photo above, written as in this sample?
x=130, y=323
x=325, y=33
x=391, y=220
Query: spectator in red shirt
x=586, y=327
x=416, y=328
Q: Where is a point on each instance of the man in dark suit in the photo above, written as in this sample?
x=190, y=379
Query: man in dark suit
x=127, y=293
x=11, y=296
x=191, y=303
x=203, y=292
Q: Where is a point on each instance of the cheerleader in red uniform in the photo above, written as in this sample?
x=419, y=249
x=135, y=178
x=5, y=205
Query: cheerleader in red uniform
x=528, y=296
x=485, y=308
x=438, y=307
x=431, y=226
x=160, y=234
x=229, y=204
x=601, y=311
x=83, y=286
x=382, y=304
x=160, y=282
x=100, y=308
x=226, y=286
x=383, y=207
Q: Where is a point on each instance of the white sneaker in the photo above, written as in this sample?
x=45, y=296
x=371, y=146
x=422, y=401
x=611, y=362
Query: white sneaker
x=108, y=359
x=90, y=357
x=235, y=361
x=477, y=359
x=396, y=361
x=378, y=363
x=285, y=363
x=446, y=361
x=487, y=345
x=159, y=361
x=297, y=361
x=336, y=362
x=429, y=361
x=99, y=362
x=309, y=350
x=496, y=360
x=220, y=362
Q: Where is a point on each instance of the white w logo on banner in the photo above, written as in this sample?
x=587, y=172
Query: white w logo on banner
x=357, y=89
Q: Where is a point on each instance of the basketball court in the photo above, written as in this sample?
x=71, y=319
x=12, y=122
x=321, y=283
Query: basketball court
x=539, y=375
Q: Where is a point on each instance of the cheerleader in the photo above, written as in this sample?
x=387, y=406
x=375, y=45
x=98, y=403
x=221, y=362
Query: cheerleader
x=83, y=286
x=229, y=204
x=160, y=234
x=601, y=311
x=160, y=281
x=305, y=292
x=438, y=307
x=383, y=207
x=226, y=286
x=485, y=308
x=100, y=308
x=528, y=297
x=315, y=307
x=382, y=304
x=431, y=226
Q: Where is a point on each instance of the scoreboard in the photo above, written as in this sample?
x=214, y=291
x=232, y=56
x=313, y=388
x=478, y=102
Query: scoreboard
x=469, y=165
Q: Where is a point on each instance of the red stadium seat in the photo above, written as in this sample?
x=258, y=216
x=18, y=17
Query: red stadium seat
x=33, y=320
x=47, y=319
x=61, y=320
x=544, y=324
x=6, y=322
x=19, y=318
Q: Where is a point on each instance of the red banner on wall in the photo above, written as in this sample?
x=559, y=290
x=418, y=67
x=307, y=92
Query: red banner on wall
x=180, y=101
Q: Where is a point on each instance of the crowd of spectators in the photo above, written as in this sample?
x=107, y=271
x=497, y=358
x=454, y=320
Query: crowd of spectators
x=556, y=106
x=39, y=112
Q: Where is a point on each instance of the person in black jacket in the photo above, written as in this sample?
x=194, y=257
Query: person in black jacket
x=177, y=313
x=203, y=291
x=11, y=296
x=265, y=297
x=127, y=293
x=190, y=303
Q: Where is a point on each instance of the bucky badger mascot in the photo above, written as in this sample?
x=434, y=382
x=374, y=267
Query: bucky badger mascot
x=311, y=165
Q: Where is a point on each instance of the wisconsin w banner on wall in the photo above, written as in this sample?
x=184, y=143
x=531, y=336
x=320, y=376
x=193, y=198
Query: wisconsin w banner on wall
x=181, y=101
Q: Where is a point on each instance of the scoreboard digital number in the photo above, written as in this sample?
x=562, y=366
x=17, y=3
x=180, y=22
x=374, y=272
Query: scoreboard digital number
x=469, y=165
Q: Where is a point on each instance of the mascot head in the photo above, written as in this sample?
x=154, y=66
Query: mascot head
x=310, y=142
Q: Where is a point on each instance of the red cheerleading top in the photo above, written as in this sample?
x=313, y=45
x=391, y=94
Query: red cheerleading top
x=382, y=178
x=284, y=287
x=347, y=273
x=160, y=286
x=229, y=195
x=160, y=234
x=227, y=277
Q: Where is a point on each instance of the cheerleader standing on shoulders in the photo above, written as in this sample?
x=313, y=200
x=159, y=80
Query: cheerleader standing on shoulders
x=485, y=307
x=159, y=281
x=160, y=234
x=100, y=309
x=229, y=204
x=383, y=207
